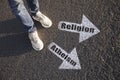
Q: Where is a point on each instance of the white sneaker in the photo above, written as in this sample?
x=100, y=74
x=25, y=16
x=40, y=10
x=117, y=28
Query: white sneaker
x=36, y=42
x=44, y=20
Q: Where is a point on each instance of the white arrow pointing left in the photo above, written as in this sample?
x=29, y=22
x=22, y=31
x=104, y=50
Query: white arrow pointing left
x=70, y=60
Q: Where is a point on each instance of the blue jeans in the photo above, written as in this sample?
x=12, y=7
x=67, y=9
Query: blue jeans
x=22, y=14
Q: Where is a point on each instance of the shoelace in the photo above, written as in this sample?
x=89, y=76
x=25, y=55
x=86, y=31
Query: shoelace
x=41, y=17
x=34, y=38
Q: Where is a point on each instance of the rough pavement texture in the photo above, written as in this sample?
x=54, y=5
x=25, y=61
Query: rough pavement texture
x=99, y=55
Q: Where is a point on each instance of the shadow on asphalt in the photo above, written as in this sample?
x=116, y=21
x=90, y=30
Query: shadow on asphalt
x=13, y=39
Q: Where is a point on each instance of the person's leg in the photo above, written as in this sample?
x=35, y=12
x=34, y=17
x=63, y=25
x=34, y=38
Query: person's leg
x=34, y=6
x=37, y=15
x=22, y=14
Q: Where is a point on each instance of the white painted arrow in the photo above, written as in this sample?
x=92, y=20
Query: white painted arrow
x=86, y=29
x=70, y=61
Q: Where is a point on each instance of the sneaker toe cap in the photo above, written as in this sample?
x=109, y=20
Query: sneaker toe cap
x=39, y=46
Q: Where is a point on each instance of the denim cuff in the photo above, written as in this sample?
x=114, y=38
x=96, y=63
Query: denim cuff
x=32, y=29
x=33, y=13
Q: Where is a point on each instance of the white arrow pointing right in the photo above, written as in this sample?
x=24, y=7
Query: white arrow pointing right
x=70, y=61
x=86, y=29
x=85, y=35
x=73, y=55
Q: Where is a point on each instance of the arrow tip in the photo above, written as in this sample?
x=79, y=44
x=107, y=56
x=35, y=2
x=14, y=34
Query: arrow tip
x=90, y=28
x=73, y=61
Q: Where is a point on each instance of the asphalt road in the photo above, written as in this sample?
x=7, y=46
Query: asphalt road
x=99, y=55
